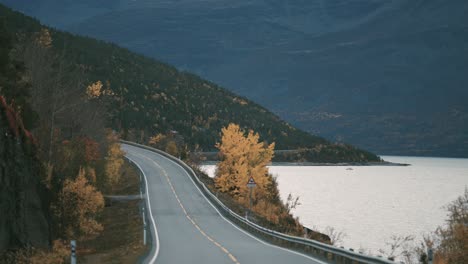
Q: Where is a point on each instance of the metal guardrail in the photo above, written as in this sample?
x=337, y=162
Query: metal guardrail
x=318, y=250
x=143, y=206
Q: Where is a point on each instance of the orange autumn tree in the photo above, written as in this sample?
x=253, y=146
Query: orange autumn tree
x=114, y=160
x=452, y=239
x=242, y=157
x=78, y=205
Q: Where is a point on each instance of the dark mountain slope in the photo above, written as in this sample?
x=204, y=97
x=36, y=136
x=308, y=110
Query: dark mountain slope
x=24, y=202
x=399, y=80
x=359, y=71
x=23, y=198
x=151, y=97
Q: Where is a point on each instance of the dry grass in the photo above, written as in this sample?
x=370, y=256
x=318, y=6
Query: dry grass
x=122, y=238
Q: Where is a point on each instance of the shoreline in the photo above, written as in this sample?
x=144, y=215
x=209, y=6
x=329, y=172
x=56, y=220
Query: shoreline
x=318, y=164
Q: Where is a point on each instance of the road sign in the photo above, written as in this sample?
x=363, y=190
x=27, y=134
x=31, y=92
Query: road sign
x=251, y=183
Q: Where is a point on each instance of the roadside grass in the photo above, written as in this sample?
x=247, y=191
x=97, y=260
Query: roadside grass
x=121, y=241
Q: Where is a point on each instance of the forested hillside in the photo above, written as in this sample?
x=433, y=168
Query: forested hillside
x=144, y=97
x=56, y=156
x=385, y=75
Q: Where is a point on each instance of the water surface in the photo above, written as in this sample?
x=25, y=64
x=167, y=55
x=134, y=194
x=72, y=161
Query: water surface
x=372, y=203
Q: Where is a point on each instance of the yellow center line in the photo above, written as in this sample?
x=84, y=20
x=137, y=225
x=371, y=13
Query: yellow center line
x=191, y=220
x=233, y=258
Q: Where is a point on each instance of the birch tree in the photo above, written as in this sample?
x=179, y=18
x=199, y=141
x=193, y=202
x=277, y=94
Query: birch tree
x=243, y=156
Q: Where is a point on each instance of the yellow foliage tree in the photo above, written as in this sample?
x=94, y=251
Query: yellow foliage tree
x=44, y=38
x=59, y=254
x=171, y=148
x=94, y=90
x=242, y=157
x=156, y=139
x=78, y=205
x=453, y=237
x=114, y=160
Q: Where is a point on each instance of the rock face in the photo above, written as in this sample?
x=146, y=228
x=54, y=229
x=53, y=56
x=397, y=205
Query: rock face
x=23, y=199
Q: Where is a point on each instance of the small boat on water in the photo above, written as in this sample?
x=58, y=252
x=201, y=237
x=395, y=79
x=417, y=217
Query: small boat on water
x=349, y=169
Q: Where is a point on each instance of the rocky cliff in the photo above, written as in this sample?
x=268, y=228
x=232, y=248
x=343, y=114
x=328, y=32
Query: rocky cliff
x=24, y=206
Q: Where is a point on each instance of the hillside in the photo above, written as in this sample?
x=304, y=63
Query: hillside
x=150, y=97
x=389, y=76
x=23, y=198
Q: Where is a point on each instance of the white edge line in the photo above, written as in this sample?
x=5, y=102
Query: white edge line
x=227, y=220
x=153, y=259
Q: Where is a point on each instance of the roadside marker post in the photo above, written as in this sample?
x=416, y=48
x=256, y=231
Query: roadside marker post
x=465, y=209
x=73, y=251
x=141, y=185
x=143, y=210
x=430, y=255
x=250, y=184
x=144, y=226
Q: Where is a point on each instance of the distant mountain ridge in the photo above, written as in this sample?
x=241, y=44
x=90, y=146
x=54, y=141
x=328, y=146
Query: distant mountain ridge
x=386, y=75
x=147, y=97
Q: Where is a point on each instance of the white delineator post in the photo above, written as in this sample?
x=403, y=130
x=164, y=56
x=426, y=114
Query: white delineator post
x=141, y=187
x=73, y=252
x=430, y=255
x=143, y=211
x=144, y=225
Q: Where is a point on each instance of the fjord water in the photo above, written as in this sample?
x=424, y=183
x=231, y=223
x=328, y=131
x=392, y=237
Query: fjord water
x=372, y=203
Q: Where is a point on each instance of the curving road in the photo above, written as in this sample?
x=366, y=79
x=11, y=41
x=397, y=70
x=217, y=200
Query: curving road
x=188, y=228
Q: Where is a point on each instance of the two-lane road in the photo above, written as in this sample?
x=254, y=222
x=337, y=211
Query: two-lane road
x=186, y=228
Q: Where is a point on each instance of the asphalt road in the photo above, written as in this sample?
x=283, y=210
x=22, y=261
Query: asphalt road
x=186, y=228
